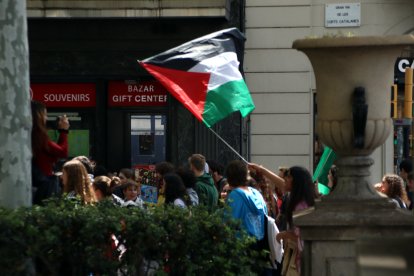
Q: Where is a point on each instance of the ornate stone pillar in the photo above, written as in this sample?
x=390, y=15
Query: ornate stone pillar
x=353, y=80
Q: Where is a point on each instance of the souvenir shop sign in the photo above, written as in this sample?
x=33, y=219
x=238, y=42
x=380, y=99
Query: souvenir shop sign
x=148, y=93
x=64, y=94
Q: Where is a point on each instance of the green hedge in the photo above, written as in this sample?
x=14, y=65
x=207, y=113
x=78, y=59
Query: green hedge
x=66, y=238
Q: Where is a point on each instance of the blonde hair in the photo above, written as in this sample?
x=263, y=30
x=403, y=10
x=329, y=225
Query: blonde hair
x=78, y=181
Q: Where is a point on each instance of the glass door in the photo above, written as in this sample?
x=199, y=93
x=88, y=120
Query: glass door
x=148, y=140
x=148, y=147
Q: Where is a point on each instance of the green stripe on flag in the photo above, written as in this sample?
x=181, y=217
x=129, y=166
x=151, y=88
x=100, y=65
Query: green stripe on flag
x=226, y=99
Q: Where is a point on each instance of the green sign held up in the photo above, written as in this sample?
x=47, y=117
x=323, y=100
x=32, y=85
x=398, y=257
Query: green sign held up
x=322, y=170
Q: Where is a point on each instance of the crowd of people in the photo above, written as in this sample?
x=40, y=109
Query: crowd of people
x=253, y=193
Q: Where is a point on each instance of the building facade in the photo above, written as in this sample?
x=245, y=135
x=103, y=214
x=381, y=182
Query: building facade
x=98, y=42
x=83, y=62
x=282, y=81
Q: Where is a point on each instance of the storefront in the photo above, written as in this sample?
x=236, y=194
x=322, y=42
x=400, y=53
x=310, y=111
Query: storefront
x=77, y=101
x=119, y=115
x=401, y=110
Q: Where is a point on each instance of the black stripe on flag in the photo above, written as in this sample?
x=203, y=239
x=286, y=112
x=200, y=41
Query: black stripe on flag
x=187, y=55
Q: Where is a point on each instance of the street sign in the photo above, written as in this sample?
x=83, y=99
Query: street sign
x=342, y=15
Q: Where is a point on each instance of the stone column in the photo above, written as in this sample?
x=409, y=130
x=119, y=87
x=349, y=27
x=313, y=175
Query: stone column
x=15, y=114
x=353, y=80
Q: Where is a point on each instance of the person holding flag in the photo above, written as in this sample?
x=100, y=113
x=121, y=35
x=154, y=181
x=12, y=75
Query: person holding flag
x=298, y=182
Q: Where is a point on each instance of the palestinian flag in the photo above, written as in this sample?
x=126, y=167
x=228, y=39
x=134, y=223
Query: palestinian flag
x=204, y=75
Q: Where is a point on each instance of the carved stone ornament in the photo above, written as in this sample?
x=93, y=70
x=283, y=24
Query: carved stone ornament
x=342, y=64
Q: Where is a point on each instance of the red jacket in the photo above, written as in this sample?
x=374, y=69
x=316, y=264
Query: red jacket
x=45, y=160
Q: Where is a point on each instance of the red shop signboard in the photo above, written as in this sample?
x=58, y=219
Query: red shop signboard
x=147, y=93
x=65, y=94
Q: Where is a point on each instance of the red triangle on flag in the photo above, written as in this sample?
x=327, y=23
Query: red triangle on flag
x=190, y=88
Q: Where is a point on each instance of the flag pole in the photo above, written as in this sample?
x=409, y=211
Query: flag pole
x=230, y=147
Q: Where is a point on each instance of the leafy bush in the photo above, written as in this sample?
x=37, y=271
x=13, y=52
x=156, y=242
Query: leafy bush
x=66, y=238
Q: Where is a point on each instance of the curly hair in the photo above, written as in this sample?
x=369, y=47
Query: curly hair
x=395, y=187
x=175, y=188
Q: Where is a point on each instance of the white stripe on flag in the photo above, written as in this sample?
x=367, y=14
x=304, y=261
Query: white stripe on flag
x=223, y=68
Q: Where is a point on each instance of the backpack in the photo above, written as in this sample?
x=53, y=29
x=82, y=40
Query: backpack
x=270, y=244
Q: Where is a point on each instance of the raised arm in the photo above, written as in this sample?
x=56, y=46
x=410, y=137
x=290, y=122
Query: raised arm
x=274, y=178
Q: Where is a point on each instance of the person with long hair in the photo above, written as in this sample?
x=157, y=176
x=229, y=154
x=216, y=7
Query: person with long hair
x=76, y=182
x=189, y=181
x=175, y=191
x=46, y=152
x=301, y=195
x=161, y=169
x=393, y=187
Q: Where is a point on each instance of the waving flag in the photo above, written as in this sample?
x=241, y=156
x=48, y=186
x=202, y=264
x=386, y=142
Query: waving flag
x=203, y=74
